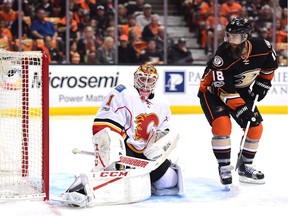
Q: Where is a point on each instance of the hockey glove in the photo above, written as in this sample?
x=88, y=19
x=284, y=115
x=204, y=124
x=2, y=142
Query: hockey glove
x=260, y=87
x=154, y=150
x=244, y=114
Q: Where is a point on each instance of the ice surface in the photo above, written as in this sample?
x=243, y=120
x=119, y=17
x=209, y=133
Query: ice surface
x=203, y=192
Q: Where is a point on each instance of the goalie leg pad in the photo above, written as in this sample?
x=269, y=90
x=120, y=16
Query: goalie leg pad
x=120, y=186
x=171, y=183
x=109, y=146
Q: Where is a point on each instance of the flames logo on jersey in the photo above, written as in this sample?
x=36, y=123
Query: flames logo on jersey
x=143, y=121
x=246, y=78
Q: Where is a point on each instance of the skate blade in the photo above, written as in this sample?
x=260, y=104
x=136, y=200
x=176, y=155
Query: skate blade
x=244, y=179
x=227, y=187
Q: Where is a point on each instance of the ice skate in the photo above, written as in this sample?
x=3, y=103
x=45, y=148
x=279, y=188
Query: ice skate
x=79, y=194
x=225, y=174
x=248, y=174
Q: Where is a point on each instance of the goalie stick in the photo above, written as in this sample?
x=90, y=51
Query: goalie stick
x=170, y=138
x=240, y=159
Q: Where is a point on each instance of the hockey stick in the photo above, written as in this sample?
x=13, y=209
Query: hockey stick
x=240, y=159
x=171, y=140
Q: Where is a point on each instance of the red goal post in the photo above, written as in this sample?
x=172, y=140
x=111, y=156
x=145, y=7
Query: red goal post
x=24, y=125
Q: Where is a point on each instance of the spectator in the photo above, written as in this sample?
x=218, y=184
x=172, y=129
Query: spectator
x=26, y=32
x=62, y=26
x=231, y=8
x=180, y=54
x=206, y=9
x=264, y=34
x=27, y=7
x=131, y=24
x=150, y=31
x=55, y=56
x=145, y=18
x=284, y=18
x=211, y=30
x=85, y=21
x=106, y=53
x=160, y=40
x=110, y=8
x=254, y=31
x=134, y=7
x=97, y=32
x=135, y=46
x=8, y=14
x=4, y=41
x=126, y=51
x=134, y=39
x=151, y=55
x=253, y=8
x=41, y=28
x=110, y=32
x=122, y=15
x=6, y=31
x=47, y=6
x=86, y=6
x=101, y=18
x=283, y=54
x=123, y=50
x=265, y=18
x=87, y=45
x=74, y=54
x=281, y=34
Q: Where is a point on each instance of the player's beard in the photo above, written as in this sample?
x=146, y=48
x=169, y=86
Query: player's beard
x=236, y=50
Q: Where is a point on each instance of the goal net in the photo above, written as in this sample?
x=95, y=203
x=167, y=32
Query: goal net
x=24, y=125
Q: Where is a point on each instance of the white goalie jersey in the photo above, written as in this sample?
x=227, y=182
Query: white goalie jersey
x=124, y=112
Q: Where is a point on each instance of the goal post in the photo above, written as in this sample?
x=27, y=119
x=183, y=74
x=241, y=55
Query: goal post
x=24, y=125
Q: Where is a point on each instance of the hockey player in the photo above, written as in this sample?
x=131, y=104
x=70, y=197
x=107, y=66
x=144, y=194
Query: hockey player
x=132, y=115
x=241, y=68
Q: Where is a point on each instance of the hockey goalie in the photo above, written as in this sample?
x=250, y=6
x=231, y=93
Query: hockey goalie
x=132, y=140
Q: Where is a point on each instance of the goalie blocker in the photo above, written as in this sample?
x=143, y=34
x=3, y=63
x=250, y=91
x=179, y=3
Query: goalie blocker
x=106, y=185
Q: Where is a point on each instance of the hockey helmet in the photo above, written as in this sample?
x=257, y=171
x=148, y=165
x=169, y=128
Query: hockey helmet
x=238, y=26
x=145, y=79
x=237, y=30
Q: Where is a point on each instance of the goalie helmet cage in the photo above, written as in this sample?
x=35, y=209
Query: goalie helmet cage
x=24, y=125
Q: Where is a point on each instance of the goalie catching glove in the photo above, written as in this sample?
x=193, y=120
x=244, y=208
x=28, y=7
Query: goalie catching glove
x=154, y=151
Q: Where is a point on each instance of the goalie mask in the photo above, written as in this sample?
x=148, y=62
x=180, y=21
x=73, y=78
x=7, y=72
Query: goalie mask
x=145, y=79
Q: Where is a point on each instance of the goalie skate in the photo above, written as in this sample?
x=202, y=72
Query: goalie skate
x=73, y=199
x=248, y=174
x=79, y=194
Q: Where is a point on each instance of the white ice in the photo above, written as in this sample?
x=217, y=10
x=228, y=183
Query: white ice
x=204, y=195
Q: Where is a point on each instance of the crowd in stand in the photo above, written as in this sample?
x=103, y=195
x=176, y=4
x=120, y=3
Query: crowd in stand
x=200, y=16
x=137, y=37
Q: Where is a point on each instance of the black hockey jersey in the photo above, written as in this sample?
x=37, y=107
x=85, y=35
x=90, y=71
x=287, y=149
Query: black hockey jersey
x=228, y=77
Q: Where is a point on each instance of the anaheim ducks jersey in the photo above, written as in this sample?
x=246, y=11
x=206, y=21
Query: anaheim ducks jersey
x=231, y=78
x=124, y=112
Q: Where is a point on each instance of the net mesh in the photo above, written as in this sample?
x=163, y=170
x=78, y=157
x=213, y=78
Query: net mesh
x=21, y=173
